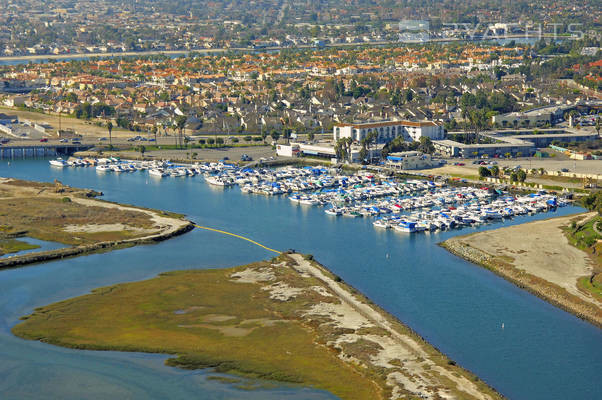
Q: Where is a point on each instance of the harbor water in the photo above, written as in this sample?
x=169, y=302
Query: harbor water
x=541, y=352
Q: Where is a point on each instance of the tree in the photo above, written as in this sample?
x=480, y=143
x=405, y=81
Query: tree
x=484, y=172
x=142, y=149
x=310, y=136
x=521, y=175
x=110, y=129
x=154, y=131
x=286, y=133
x=264, y=135
x=275, y=135
x=598, y=125
x=426, y=145
x=180, y=123
x=495, y=171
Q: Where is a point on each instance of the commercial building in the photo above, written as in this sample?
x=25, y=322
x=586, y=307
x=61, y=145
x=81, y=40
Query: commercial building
x=499, y=144
x=325, y=150
x=535, y=117
x=389, y=130
x=411, y=160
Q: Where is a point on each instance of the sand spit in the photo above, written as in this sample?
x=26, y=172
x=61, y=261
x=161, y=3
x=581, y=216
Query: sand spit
x=536, y=256
x=364, y=335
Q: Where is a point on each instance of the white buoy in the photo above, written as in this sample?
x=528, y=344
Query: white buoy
x=502, y=325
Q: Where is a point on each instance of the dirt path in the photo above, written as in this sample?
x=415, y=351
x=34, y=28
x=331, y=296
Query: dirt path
x=419, y=373
x=166, y=225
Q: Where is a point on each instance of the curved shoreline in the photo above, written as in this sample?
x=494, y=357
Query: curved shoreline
x=343, y=323
x=544, y=289
x=166, y=225
x=74, y=251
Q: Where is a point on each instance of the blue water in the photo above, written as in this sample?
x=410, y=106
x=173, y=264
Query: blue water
x=542, y=353
x=44, y=245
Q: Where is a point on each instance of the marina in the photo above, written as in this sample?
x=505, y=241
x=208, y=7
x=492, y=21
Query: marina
x=457, y=307
x=407, y=206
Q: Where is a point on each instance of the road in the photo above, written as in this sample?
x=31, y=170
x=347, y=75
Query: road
x=24, y=59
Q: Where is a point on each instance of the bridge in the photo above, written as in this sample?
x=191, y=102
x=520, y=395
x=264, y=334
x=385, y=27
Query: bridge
x=40, y=150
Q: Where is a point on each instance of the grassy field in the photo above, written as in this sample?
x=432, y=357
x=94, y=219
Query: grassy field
x=8, y=246
x=584, y=237
x=206, y=320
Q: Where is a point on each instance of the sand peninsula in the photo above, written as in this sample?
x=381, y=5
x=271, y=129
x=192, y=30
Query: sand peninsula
x=75, y=218
x=539, y=257
x=287, y=319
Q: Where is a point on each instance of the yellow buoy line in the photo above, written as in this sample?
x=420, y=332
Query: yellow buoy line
x=237, y=236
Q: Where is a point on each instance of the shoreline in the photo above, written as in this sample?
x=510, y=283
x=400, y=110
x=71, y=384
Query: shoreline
x=536, y=285
x=344, y=326
x=167, y=225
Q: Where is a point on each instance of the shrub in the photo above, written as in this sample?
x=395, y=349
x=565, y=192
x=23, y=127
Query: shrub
x=66, y=200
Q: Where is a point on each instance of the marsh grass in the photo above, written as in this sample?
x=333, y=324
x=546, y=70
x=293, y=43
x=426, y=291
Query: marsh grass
x=169, y=314
x=9, y=246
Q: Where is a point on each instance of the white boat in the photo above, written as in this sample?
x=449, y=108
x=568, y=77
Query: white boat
x=59, y=162
x=308, y=201
x=157, y=172
x=333, y=211
x=381, y=223
x=218, y=181
x=406, y=226
x=102, y=168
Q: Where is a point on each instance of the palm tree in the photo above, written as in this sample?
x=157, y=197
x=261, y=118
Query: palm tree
x=110, y=129
x=180, y=123
x=154, y=131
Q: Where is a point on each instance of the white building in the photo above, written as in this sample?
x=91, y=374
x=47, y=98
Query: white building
x=389, y=130
x=322, y=151
x=411, y=160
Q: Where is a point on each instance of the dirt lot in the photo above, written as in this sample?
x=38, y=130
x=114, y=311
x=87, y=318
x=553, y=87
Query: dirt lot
x=80, y=126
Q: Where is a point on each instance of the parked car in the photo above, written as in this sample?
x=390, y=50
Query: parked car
x=43, y=140
x=63, y=141
x=564, y=170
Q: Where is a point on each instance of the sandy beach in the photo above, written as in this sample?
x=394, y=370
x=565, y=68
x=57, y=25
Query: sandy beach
x=538, y=257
